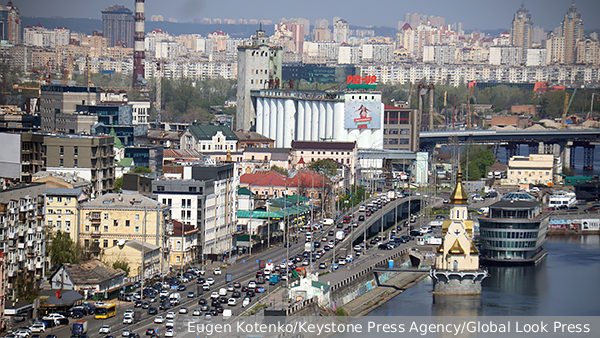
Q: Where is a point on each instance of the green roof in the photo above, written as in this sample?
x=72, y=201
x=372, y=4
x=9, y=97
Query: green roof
x=274, y=214
x=245, y=192
x=207, y=132
x=319, y=284
x=126, y=162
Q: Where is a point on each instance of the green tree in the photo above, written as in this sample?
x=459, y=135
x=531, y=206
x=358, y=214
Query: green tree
x=327, y=167
x=26, y=288
x=62, y=249
x=476, y=162
x=141, y=170
x=280, y=170
x=119, y=184
x=123, y=265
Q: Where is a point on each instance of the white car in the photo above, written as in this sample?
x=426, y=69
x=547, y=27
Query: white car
x=342, y=262
x=205, y=287
x=127, y=319
x=183, y=310
x=159, y=319
x=217, y=271
x=232, y=302
x=252, y=285
x=185, y=279
x=170, y=324
x=214, y=295
x=37, y=328
x=53, y=316
x=357, y=248
x=266, y=272
x=164, y=294
x=210, y=281
x=126, y=333
x=201, y=272
x=104, y=329
x=349, y=258
x=246, y=302
x=196, y=312
x=128, y=313
x=169, y=333
x=170, y=315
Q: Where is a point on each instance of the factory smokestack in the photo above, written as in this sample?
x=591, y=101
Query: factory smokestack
x=139, y=53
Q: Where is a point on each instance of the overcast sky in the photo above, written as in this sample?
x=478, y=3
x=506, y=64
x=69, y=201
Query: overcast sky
x=480, y=14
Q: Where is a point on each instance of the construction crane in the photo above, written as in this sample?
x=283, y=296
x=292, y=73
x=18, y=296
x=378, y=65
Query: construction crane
x=471, y=85
x=158, y=76
x=88, y=71
x=568, y=102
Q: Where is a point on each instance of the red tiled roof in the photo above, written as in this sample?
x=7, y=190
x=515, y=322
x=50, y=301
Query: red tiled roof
x=406, y=27
x=275, y=179
x=181, y=153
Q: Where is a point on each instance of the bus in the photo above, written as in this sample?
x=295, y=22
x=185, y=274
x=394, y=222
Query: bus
x=105, y=311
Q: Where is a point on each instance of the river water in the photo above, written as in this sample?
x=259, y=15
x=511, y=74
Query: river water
x=565, y=283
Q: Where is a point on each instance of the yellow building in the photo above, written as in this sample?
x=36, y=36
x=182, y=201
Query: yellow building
x=131, y=252
x=62, y=210
x=110, y=218
x=456, y=268
x=186, y=245
x=532, y=169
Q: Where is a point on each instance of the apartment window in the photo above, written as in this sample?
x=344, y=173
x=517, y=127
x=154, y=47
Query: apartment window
x=178, y=259
x=61, y=162
x=115, y=242
x=127, y=223
x=116, y=223
x=49, y=222
x=547, y=173
x=189, y=214
x=87, y=229
x=75, y=163
x=58, y=224
x=192, y=189
x=105, y=243
x=67, y=224
x=182, y=214
x=86, y=243
x=75, y=151
x=178, y=245
x=137, y=216
x=50, y=199
x=106, y=228
x=105, y=217
x=62, y=150
x=164, y=202
x=137, y=230
x=169, y=202
x=160, y=188
x=68, y=199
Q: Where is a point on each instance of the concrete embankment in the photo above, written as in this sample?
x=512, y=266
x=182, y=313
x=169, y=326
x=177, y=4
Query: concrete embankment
x=564, y=232
x=371, y=300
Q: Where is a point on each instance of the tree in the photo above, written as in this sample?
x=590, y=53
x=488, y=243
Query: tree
x=119, y=184
x=26, y=287
x=123, y=265
x=280, y=170
x=62, y=249
x=326, y=167
x=141, y=170
x=479, y=159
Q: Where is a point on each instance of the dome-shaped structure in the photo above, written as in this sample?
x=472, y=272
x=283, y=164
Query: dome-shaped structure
x=518, y=196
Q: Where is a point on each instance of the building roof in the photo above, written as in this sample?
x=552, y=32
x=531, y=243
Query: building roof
x=137, y=245
x=251, y=136
x=126, y=162
x=63, y=192
x=189, y=229
x=267, y=150
x=498, y=167
x=181, y=153
x=69, y=178
x=459, y=195
x=310, y=145
x=518, y=196
x=90, y=272
x=245, y=192
x=514, y=204
x=302, y=178
x=207, y=132
x=67, y=297
x=122, y=200
x=164, y=135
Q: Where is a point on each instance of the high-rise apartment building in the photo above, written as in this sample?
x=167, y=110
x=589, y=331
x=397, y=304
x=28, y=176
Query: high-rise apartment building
x=10, y=23
x=118, y=26
x=22, y=236
x=58, y=105
x=521, y=32
x=588, y=52
x=572, y=31
x=341, y=31
x=259, y=65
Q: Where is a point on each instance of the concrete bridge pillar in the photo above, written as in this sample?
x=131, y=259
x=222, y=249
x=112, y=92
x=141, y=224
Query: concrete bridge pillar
x=588, y=156
x=541, y=148
x=548, y=148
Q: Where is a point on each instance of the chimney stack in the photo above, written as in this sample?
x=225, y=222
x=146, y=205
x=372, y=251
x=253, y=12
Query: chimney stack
x=139, y=53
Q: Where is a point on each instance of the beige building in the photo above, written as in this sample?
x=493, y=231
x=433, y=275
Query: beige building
x=532, y=169
x=189, y=247
x=62, y=210
x=110, y=218
x=131, y=252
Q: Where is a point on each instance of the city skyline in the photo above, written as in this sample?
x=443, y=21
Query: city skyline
x=481, y=14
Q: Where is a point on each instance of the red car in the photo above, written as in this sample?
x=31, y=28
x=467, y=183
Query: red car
x=368, y=213
x=346, y=219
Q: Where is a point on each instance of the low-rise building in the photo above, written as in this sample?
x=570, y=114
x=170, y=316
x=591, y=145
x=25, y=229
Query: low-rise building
x=110, y=218
x=532, y=169
x=183, y=244
x=131, y=252
x=62, y=210
x=251, y=139
x=519, y=122
x=210, y=138
x=92, y=275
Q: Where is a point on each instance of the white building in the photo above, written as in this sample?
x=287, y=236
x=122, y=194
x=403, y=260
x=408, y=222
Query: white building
x=207, y=139
x=439, y=54
x=220, y=216
x=287, y=116
x=141, y=112
x=536, y=57
x=349, y=55
x=46, y=38
x=377, y=53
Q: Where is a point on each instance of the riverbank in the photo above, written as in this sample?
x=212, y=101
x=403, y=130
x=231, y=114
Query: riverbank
x=371, y=300
x=565, y=232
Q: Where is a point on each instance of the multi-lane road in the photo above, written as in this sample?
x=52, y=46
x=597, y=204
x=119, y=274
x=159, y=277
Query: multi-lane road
x=242, y=271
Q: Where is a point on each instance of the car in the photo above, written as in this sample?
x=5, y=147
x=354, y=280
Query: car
x=204, y=307
x=201, y=301
x=384, y=246
x=169, y=333
x=191, y=294
x=219, y=309
x=330, y=233
x=170, y=315
x=205, y=287
x=305, y=262
x=38, y=328
x=208, y=316
x=326, y=248
x=210, y=280
x=357, y=248
x=223, y=300
x=342, y=262
x=246, y=302
x=196, y=312
x=159, y=319
x=164, y=294
x=214, y=312
x=355, y=224
x=145, y=306
x=322, y=266
x=152, y=311
x=232, y=302
x=251, y=285
x=230, y=288
x=236, y=294
x=138, y=303
x=244, y=288
x=183, y=310
x=126, y=333
x=181, y=287
x=214, y=295
x=349, y=258
x=170, y=324
x=368, y=213
x=250, y=293
x=127, y=319
x=440, y=217
x=149, y=331
x=361, y=218
x=217, y=272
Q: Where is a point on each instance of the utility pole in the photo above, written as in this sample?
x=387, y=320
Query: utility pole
x=143, y=275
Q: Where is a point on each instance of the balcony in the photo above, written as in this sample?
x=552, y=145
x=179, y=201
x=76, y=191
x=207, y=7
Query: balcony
x=96, y=221
x=30, y=254
x=20, y=245
x=39, y=265
x=31, y=231
x=96, y=234
x=30, y=243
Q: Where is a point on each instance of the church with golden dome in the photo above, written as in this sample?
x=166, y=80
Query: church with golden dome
x=456, y=269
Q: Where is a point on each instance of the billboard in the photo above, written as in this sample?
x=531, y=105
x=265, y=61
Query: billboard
x=362, y=115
